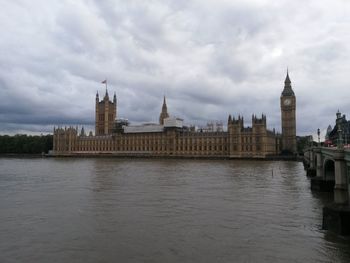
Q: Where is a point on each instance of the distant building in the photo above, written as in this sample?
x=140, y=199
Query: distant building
x=327, y=141
x=344, y=125
x=213, y=126
x=328, y=132
x=171, y=138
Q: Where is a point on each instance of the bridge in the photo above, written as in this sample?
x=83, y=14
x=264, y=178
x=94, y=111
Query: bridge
x=330, y=171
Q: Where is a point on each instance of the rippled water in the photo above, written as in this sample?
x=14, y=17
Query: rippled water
x=126, y=210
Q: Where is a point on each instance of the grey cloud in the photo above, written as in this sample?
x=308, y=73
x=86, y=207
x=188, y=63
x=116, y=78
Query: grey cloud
x=209, y=58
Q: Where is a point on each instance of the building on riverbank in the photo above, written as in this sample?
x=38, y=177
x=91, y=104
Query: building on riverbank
x=341, y=125
x=171, y=138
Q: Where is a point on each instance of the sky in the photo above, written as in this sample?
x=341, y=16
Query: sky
x=210, y=58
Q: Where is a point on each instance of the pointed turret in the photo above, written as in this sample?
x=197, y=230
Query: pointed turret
x=115, y=97
x=106, y=95
x=97, y=97
x=338, y=114
x=264, y=119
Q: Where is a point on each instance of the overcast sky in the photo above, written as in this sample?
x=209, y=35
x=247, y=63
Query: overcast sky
x=210, y=58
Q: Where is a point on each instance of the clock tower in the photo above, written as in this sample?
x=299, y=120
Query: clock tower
x=288, y=105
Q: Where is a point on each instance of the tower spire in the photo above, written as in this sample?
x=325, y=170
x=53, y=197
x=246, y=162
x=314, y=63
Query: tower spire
x=287, y=91
x=164, y=104
x=287, y=81
x=164, y=114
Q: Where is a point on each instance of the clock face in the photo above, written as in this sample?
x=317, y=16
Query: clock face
x=287, y=102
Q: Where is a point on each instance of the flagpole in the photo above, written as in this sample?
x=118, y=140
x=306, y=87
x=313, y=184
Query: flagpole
x=105, y=82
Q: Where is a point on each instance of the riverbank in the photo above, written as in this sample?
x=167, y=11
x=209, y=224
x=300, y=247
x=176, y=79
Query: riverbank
x=197, y=157
x=23, y=155
x=144, y=156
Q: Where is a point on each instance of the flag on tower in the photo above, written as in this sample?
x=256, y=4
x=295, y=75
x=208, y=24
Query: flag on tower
x=104, y=82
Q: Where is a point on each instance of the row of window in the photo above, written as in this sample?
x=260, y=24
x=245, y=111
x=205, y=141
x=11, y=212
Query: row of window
x=155, y=144
x=153, y=148
x=249, y=139
x=156, y=141
x=197, y=145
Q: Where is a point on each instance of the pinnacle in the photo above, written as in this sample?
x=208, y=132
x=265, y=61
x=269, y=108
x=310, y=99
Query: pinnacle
x=287, y=78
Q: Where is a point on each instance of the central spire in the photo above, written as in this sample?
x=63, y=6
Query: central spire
x=164, y=114
x=164, y=105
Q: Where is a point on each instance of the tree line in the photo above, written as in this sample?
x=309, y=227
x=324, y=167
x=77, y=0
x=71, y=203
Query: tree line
x=25, y=144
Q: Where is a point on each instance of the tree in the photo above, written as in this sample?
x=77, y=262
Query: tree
x=24, y=144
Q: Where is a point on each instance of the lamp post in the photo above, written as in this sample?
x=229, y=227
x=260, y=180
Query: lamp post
x=340, y=135
x=318, y=134
x=310, y=141
x=340, y=138
x=346, y=132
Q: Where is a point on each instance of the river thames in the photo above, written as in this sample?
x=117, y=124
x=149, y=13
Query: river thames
x=139, y=210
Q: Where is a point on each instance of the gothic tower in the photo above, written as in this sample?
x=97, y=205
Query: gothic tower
x=288, y=106
x=164, y=114
x=106, y=113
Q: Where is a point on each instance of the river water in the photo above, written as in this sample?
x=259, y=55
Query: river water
x=139, y=210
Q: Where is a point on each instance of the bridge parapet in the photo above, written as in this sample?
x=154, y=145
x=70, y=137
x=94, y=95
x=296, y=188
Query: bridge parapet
x=330, y=152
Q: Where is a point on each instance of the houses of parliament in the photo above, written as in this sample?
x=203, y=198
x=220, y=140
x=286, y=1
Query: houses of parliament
x=170, y=138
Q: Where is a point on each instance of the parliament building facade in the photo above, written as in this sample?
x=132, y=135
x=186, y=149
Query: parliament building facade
x=170, y=138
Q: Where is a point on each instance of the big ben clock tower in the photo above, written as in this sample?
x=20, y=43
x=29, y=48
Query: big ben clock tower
x=288, y=105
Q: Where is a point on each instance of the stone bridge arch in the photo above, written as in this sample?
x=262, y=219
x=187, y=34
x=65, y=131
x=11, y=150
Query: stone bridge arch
x=329, y=169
